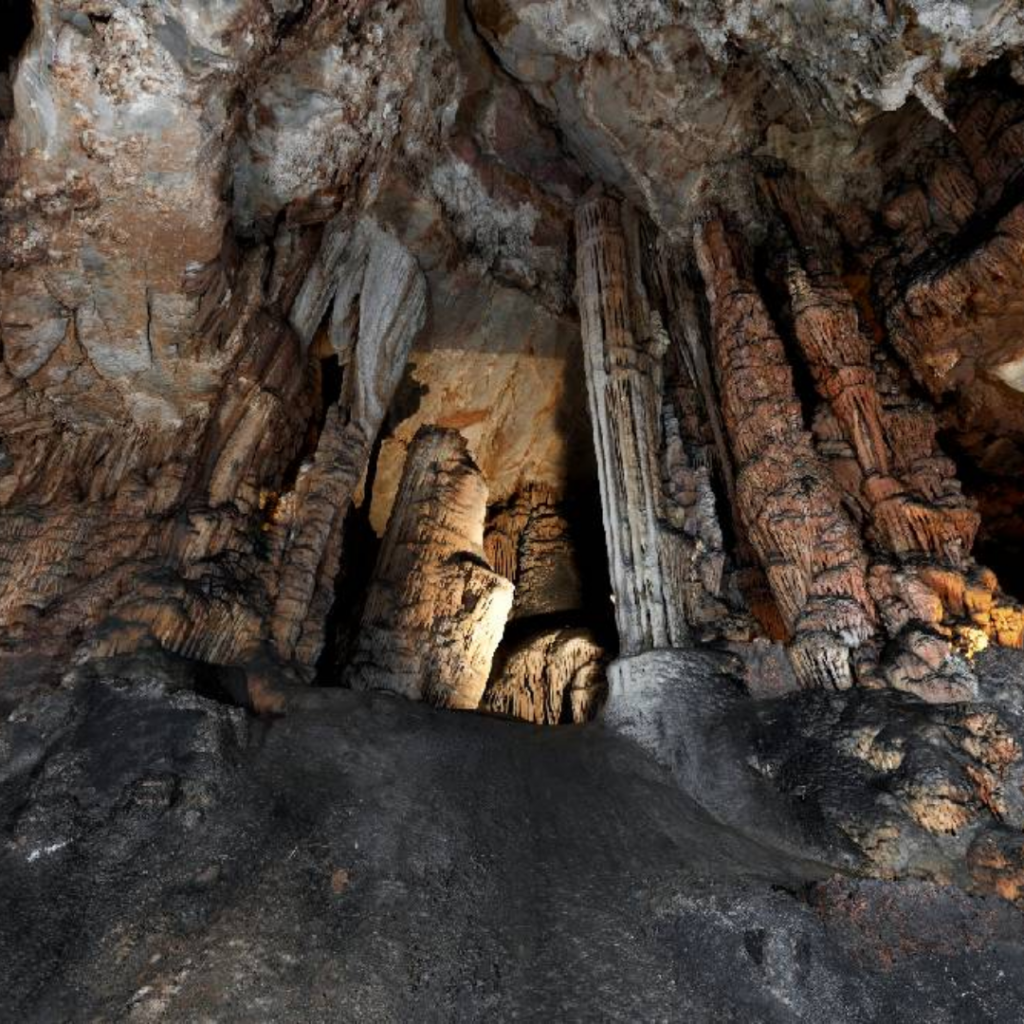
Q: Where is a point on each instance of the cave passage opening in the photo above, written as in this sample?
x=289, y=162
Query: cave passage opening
x=551, y=662
x=16, y=19
x=544, y=535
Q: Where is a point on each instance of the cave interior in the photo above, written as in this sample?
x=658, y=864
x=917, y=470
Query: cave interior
x=649, y=374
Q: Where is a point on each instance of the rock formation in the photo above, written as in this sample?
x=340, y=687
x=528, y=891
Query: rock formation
x=378, y=304
x=622, y=351
x=654, y=362
x=158, y=408
x=785, y=499
x=435, y=611
x=555, y=676
x=529, y=541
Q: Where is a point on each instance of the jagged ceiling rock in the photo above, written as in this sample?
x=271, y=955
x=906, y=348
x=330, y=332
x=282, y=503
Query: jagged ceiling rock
x=133, y=126
x=658, y=99
x=117, y=152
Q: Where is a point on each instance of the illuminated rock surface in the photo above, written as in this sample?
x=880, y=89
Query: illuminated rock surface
x=435, y=611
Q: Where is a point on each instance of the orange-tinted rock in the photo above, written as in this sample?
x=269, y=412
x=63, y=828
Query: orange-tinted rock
x=810, y=551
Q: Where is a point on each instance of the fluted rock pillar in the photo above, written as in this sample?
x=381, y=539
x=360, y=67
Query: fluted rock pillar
x=435, y=611
x=621, y=359
x=792, y=512
x=912, y=494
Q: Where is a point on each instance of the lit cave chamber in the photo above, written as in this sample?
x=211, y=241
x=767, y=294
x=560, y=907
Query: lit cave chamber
x=511, y=510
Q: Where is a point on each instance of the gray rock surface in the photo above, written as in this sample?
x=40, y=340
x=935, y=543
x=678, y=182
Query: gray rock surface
x=877, y=781
x=367, y=859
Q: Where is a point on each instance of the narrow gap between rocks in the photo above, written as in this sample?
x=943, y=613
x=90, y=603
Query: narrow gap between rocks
x=767, y=274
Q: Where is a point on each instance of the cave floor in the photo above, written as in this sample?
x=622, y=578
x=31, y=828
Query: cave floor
x=365, y=859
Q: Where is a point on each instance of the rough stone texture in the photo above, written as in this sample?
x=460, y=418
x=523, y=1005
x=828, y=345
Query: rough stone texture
x=785, y=498
x=366, y=858
x=378, y=305
x=529, y=541
x=162, y=415
x=874, y=780
x=665, y=100
x=250, y=249
x=435, y=611
x=488, y=216
x=153, y=398
x=550, y=665
x=554, y=676
x=948, y=267
x=622, y=352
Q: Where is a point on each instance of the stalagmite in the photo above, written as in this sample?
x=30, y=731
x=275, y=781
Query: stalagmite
x=435, y=611
x=622, y=353
x=792, y=512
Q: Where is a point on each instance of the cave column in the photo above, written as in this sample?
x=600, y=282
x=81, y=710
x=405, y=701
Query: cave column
x=621, y=358
x=435, y=611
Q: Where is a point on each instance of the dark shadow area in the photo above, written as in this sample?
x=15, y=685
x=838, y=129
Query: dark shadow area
x=1004, y=555
x=329, y=375
x=359, y=555
x=359, y=547
x=1000, y=500
x=16, y=23
x=769, y=267
x=583, y=514
x=15, y=28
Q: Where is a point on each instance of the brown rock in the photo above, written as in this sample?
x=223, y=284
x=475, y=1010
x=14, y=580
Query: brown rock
x=435, y=611
x=809, y=549
x=554, y=676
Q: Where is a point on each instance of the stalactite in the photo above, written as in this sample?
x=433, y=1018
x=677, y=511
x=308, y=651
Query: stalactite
x=435, y=611
x=881, y=445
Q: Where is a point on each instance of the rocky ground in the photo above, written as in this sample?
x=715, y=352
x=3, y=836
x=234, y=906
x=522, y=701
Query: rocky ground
x=168, y=857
